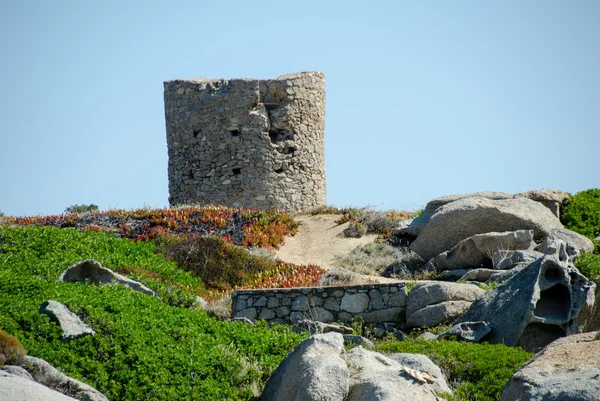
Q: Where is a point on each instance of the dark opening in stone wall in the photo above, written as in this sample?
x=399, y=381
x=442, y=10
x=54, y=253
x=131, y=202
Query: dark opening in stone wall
x=237, y=171
x=197, y=132
x=235, y=132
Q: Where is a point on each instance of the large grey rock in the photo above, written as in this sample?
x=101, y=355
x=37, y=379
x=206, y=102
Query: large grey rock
x=468, y=331
x=576, y=243
x=477, y=251
x=423, y=364
x=16, y=388
x=479, y=275
x=313, y=371
x=417, y=224
x=506, y=260
x=72, y=326
x=466, y=217
x=566, y=370
x=377, y=377
x=433, y=303
x=551, y=198
x=544, y=301
x=92, y=271
x=49, y=376
x=18, y=371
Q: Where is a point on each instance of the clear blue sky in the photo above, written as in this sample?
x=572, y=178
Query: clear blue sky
x=424, y=98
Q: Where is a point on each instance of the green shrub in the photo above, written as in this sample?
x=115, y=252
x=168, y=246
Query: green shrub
x=144, y=349
x=82, y=208
x=581, y=213
x=477, y=372
x=11, y=350
x=589, y=265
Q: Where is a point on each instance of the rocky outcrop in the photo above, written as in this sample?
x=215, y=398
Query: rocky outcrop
x=545, y=300
x=433, y=303
x=17, y=388
x=567, y=369
x=466, y=217
x=49, y=376
x=477, y=251
x=422, y=363
x=315, y=370
x=377, y=377
x=93, y=272
x=551, y=198
x=576, y=243
x=37, y=380
x=414, y=227
x=318, y=369
x=72, y=326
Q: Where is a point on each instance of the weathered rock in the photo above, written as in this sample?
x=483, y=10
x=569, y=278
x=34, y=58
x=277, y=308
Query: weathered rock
x=468, y=331
x=415, y=226
x=72, y=326
x=434, y=315
x=544, y=301
x=551, y=198
x=18, y=371
x=48, y=375
x=377, y=377
x=427, y=336
x=314, y=327
x=505, y=260
x=358, y=340
x=313, y=371
x=454, y=275
x=477, y=251
x=92, y=271
x=470, y=216
x=479, y=275
x=567, y=369
x=576, y=243
x=423, y=364
x=16, y=388
x=407, y=263
x=433, y=303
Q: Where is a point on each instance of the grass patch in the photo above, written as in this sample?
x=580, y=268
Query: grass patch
x=144, y=349
x=589, y=265
x=370, y=220
x=476, y=372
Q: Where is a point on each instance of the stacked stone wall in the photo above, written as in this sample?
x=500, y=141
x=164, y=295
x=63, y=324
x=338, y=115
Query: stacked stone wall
x=247, y=142
x=374, y=303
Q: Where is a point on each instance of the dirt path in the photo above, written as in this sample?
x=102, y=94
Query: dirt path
x=318, y=241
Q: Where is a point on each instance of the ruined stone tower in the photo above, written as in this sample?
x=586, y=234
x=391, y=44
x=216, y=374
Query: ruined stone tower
x=247, y=142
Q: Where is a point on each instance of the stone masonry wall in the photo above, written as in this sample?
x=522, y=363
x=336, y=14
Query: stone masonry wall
x=375, y=303
x=247, y=142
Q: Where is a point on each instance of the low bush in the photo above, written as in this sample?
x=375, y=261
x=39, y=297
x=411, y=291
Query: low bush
x=373, y=221
x=581, y=213
x=373, y=258
x=82, y=208
x=589, y=265
x=354, y=230
x=11, y=350
x=477, y=372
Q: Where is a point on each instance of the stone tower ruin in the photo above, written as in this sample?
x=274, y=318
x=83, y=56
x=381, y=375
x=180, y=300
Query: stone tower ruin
x=247, y=142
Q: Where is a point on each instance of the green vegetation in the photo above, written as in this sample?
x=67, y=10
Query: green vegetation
x=581, y=213
x=477, y=372
x=82, y=208
x=144, y=349
x=589, y=265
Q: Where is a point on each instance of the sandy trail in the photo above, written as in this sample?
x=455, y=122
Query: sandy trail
x=318, y=241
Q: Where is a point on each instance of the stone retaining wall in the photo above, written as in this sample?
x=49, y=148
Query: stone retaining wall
x=374, y=303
